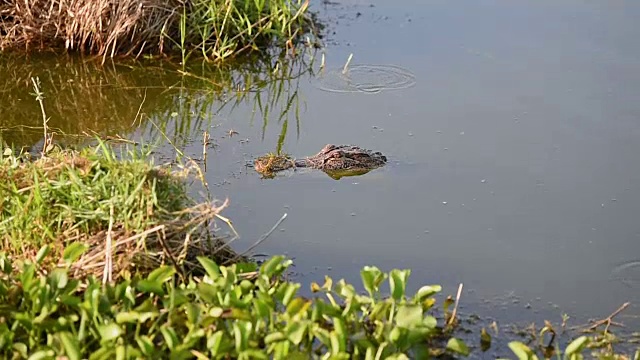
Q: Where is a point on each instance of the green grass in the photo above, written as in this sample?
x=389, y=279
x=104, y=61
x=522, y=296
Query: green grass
x=214, y=29
x=220, y=29
x=96, y=197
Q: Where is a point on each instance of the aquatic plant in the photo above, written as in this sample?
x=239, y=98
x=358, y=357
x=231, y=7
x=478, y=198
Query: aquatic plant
x=236, y=311
x=215, y=29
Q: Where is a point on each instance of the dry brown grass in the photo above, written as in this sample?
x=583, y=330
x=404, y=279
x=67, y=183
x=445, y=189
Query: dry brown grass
x=102, y=27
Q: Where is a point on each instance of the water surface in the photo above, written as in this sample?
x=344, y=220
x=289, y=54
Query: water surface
x=513, y=159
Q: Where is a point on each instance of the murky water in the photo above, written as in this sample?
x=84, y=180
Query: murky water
x=512, y=160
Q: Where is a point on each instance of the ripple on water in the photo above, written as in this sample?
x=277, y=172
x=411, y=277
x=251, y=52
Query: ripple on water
x=628, y=273
x=365, y=79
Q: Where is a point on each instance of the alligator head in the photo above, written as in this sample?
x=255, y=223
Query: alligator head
x=335, y=160
x=344, y=157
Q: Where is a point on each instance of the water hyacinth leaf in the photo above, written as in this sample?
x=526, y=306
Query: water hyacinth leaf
x=42, y=355
x=298, y=306
x=21, y=349
x=5, y=264
x=458, y=346
x=240, y=314
x=72, y=252
x=522, y=351
x=340, y=327
x=270, y=267
x=380, y=310
x=71, y=345
x=162, y=274
x=337, y=343
x=409, y=316
x=193, y=313
x=255, y=354
x=214, y=343
x=212, y=269
x=42, y=253
x=208, y=293
x=397, y=357
x=59, y=278
x=296, y=331
x=147, y=286
x=576, y=346
x=427, y=291
x=261, y=307
x=145, y=344
x=290, y=291
x=109, y=332
x=170, y=337
x=347, y=291
x=485, y=340
x=245, y=267
x=398, y=283
x=246, y=286
x=328, y=283
x=127, y=317
x=428, y=303
x=216, y=312
x=397, y=336
x=371, y=279
x=274, y=337
x=321, y=334
x=241, y=333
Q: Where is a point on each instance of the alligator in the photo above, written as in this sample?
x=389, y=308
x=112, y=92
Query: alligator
x=335, y=160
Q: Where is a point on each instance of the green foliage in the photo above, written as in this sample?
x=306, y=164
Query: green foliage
x=573, y=351
x=220, y=29
x=224, y=314
x=69, y=193
x=238, y=311
x=96, y=197
x=217, y=29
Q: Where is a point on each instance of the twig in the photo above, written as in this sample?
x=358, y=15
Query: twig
x=346, y=66
x=205, y=142
x=107, y=275
x=455, y=307
x=48, y=139
x=609, y=319
x=140, y=108
x=262, y=238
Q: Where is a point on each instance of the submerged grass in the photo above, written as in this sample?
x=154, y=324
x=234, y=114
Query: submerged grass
x=216, y=29
x=105, y=200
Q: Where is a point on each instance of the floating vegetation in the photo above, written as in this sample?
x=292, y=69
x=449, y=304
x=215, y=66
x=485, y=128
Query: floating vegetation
x=365, y=79
x=268, y=165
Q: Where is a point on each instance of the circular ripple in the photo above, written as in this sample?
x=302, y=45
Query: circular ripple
x=628, y=273
x=365, y=79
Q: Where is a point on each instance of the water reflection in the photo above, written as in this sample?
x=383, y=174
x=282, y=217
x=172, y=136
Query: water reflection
x=84, y=98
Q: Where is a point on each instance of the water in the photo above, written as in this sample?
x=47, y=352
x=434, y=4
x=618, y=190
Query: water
x=512, y=160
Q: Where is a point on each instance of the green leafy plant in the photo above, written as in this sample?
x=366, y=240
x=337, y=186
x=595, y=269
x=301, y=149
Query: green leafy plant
x=236, y=311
